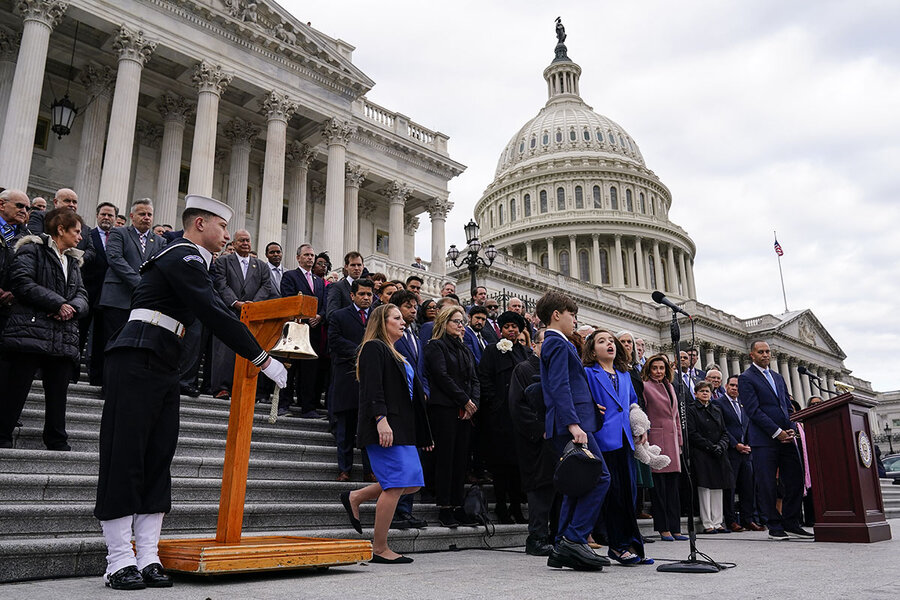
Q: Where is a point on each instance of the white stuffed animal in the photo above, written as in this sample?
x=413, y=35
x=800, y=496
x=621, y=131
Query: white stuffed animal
x=645, y=453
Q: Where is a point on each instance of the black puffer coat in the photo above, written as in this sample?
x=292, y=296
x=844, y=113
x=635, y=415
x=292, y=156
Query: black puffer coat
x=36, y=280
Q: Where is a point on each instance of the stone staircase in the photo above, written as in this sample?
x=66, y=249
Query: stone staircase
x=47, y=529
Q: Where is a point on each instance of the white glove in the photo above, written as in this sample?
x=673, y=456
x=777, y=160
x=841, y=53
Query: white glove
x=277, y=373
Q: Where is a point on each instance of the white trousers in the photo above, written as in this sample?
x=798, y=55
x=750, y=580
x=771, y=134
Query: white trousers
x=710, y=507
x=117, y=534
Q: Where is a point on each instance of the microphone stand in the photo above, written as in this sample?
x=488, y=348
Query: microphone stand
x=693, y=564
x=815, y=381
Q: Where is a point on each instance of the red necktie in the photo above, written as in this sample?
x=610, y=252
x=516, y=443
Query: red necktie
x=496, y=329
x=362, y=315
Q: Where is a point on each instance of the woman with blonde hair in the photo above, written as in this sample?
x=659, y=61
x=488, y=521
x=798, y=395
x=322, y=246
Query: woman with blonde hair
x=392, y=423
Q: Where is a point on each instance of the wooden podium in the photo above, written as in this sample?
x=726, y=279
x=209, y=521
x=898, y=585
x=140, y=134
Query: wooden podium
x=845, y=486
x=229, y=552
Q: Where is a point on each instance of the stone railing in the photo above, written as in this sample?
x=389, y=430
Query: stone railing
x=401, y=125
x=431, y=288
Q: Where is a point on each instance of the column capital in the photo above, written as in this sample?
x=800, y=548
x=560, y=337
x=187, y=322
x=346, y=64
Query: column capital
x=98, y=80
x=317, y=192
x=366, y=208
x=595, y=237
x=410, y=224
x=131, y=45
x=173, y=107
x=210, y=78
x=47, y=12
x=9, y=45
x=278, y=107
x=219, y=157
x=438, y=208
x=148, y=134
x=337, y=132
x=239, y=131
x=354, y=175
x=572, y=237
x=298, y=155
x=397, y=192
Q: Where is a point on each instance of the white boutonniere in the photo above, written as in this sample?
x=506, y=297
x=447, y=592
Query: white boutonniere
x=504, y=346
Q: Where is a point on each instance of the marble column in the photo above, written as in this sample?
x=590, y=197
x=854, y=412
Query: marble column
x=618, y=267
x=807, y=391
x=692, y=290
x=367, y=210
x=641, y=264
x=17, y=142
x=670, y=270
x=722, y=361
x=710, y=357
x=353, y=179
x=211, y=81
x=796, y=384
x=98, y=81
x=529, y=251
x=241, y=134
x=438, y=209
x=682, y=271
x=573, y=257
x=397, y=194
x=298, y=157
x=279, y=109
x=821, y=383
x=785, y=370
x=773, y=363
x=337, y=134
x=657, y=264
x=735, y=365
x=551, y=256
x=410, y=226
x=175, y=111
x=134, y=50
x=597, y=275
x=146, y=159
x=830, y=380
x=9, y=50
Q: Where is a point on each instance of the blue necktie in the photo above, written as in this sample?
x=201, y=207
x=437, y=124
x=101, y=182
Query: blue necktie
x=771, y=380
x=8, y=232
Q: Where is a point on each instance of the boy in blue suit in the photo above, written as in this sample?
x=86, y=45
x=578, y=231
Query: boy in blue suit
x=571, y=415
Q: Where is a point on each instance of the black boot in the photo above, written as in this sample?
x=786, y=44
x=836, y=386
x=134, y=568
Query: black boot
x=446, y=518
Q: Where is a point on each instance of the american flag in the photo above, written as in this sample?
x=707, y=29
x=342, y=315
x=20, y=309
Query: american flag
x=778, y=249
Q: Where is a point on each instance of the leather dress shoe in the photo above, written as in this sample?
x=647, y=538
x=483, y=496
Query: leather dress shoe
x=415, y=522
x=64, y=447
x=537, y=546
x=753, y=526
x=580, y=553
x=370, y=477
x=343, y=476
x=155, y=577
x=400, y=522
x=736, y=528
x=190, y=390
x=222, y=395
x=464, y=519
x=126, y=578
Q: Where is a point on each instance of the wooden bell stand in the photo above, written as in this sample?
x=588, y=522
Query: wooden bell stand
x=229, y=552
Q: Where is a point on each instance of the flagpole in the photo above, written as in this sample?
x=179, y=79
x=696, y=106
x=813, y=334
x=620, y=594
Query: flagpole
x=781, y=274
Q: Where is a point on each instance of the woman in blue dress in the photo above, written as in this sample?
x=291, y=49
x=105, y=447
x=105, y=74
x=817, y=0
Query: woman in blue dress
x=392, y=424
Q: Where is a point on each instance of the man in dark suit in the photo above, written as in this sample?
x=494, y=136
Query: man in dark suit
x=346, y=327
x=491, y=331
x=93, y=274
x=339, y=293
x=13, y=214
x=238, y=278
x=737, y=423
x=307, y=377
x=764, y=396
x=126, y=250
x=64, y=198
x=696, y=373
x=714, y=379
x=474, y=334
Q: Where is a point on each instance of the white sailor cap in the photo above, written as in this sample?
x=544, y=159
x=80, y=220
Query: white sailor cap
x=220, y=209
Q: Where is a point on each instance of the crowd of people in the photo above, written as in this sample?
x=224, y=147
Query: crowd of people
x=436, y=393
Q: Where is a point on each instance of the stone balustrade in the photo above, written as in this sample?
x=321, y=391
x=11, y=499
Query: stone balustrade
x=394, y=270
x=400, y=125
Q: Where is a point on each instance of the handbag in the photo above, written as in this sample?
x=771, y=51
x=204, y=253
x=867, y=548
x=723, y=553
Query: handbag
x=579, y=470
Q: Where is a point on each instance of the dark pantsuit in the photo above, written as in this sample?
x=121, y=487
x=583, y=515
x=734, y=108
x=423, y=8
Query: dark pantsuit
x=286, y=394
x=541, y=504
x=507, y=484
x=742, y=469
x=55, y=372
x=451, y=449
x=785, y=459
x=138, y=435
x=345, y=436
x=223, y=359
x=577, y=516
x=113, y=320
x=311, y=380
x=98, y=339
x=621, y=526
x=666, y=502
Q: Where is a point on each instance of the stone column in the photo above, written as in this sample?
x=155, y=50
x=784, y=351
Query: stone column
x=670, y=270
x=211, y=82
x=279, y=109
x=573, y=257
x=745, y=363
x=597, y=275
x=710, y=357
x=367, y=208
x=722, y=361
x=529, y=251
x=785, y=370
x=796, y=384
x=551, y=255
x=337, y=135
x=397, y=194
x=298, y=158
x=822, y=382
x=410, y=226
x=438, y=209
x=134, y=51
x=657, y=264
x=98, y=81
x=146, y=160
x=618, y=267
x=735, y=365
x=175, y=111
x=241, y=134
x=692, y=291
x=807, y=390
x=17, y=142
x=9, y=50
x=642, y=264
x=773, y=363
x=830, y=380
x=683, y=272
x=353, y=178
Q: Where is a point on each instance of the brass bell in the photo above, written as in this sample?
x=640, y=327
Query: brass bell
x=294, y=343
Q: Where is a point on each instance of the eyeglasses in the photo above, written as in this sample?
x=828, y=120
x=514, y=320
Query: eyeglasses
x=457, y=321
x=21, y=205
x=491, y=306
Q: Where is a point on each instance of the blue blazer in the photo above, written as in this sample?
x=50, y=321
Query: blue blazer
x=425, y=332
x=617, y=419
x=566, y=394
x=767, y=411
x=471, y=341
x=737, y=428
x=415, y=357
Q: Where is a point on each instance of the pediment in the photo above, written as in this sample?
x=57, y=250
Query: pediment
x=805, y=327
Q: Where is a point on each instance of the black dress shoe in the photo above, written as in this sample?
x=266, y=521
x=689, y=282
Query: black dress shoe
x=189, y=390
x=537, y=546
x=155, y=577
x=6, y=444
x=345, y=500
x=64, y=447
x=558, y=561
x=126, y=578
x=400, y=522
x=580, y=553
x=464, y=518
x=415, y=522
x=447, y=519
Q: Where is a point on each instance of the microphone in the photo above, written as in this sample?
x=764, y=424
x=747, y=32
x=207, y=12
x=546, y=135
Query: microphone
x=660, y=298
x=803, y=371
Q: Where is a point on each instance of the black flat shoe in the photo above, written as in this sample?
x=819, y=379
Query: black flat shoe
x=155, y=577
x=345, y=500
x=126, y=578
x=400, y=560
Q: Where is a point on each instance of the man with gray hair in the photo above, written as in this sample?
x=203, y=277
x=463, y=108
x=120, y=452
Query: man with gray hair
x=39, y=203
x=13, y=214
x=64, y=198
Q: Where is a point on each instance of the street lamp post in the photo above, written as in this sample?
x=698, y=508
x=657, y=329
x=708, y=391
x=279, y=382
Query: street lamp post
x=887, y=431
x=470, y=259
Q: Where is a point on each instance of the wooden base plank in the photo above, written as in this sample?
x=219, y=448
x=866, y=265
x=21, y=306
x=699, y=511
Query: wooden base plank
x=260, y=553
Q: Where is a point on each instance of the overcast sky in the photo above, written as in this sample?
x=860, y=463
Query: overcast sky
x=758, y=116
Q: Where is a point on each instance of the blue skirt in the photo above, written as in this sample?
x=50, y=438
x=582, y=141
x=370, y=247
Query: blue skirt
x=396, y=467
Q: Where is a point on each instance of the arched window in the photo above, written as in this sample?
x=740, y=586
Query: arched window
x=598, y=200
x=500, y=214
x=629, y=202
x=612, y=139
x=614, y=198
x=533, y=142
x=651, y=266
x=621, y=141
x=558, y=135
x=604, y=266
x=643, y=203
x=564, y=266
x=492, y=218
x=652, y=205
x=584, y=265
x=587, y=135
x=544, y=262
x=543, y=201
x=522, y=147
x=572, y=135
x=579, y=197
x=526, y=201
x=560, y=199
x=546, y=139
x=599, y=136
x=512, y=210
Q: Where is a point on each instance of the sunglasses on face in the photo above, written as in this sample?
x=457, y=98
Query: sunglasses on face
x=20, y=206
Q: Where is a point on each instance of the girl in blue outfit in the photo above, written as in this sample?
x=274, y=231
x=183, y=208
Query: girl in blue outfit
x=606, y=366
